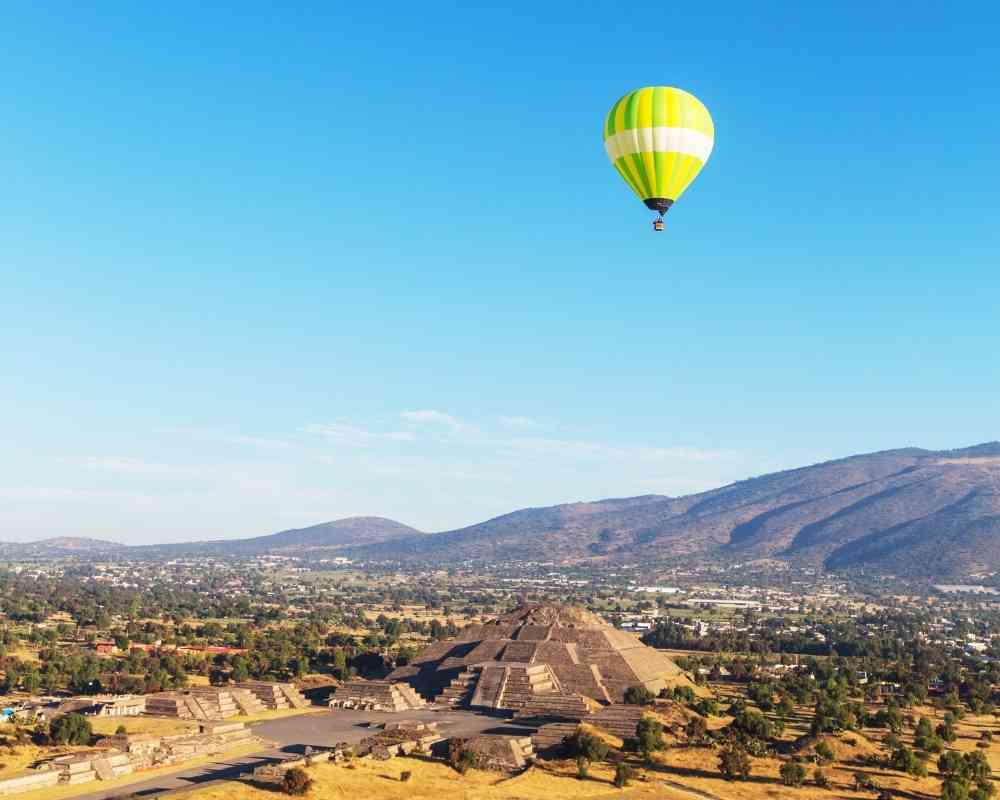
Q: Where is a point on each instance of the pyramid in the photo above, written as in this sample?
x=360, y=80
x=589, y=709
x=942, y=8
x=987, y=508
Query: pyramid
x=537, y=657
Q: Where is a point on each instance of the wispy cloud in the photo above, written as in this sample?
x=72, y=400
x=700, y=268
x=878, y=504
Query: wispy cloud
x=544, y=446
x=432, y=417
x=522, y=423
x=228, y=437
x=136, y=466
x=355, y=436
x=47, y=494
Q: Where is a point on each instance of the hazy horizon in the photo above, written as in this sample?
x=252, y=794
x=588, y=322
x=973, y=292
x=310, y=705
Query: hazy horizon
x=264, y=268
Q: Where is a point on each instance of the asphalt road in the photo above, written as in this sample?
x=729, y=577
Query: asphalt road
x=290, y=735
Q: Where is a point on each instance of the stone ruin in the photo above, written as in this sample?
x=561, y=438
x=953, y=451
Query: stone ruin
x=541, y=661
x=275, y=695
x=399, y=738
x=274, y=773
x=376, y=696
x=123, y=754
x=222, y=702
x=494, y=752
x=619, y=720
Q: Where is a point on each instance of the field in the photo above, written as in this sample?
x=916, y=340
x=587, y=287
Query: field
x=436, y=781
x=680, y=771
x=159, y=726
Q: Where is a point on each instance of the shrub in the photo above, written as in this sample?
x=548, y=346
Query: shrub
x=792, y=773
x=954, y=789
x=638, y=696
x=707, y=707
x=820, y=779
x=623, y=774
x=734, y=763
x=70, y=729
x=905, y=760
x=824, y=753
x=405, y=776
x=696, y=729
x=296, y=781
x=864, y=782
x=463, y=760
x=588, y=746
x=582, y=768
x=649, y=733
x=121, y=730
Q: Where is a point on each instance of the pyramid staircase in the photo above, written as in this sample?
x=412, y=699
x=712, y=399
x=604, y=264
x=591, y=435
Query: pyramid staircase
x=461, y=689
x=554, y=708
x=275, y=696
x=246, y=701
x=551, y=736
x=619, y=720
x=376, y=696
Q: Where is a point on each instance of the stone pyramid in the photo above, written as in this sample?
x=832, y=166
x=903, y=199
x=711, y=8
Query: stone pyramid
x=539, y=656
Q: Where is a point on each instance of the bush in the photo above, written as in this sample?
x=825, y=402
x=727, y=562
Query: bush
x=121, y=730
x=649, y=734
x=582, y=768
x=638, y=696
x=296, y=781
x=824, y=753
x=792, y=773
x=623, y=774
x=707, y=707
x=405, y=776
x=734, y=763
x=820, y=779
x=463, y=760
x=70, y=729
x=751, y=725
x=696, y=729
x=905, y=760
x=588, y=746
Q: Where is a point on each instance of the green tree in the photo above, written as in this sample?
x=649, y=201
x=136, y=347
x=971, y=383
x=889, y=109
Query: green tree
x=70, y=729
x=296, y=781
x=792, y=773
x=824, y=753
x=638, y=696
x=649, y=733
x=623, y=774
x=734, y=763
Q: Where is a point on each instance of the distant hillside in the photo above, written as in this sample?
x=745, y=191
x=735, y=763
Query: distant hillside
x=910, y=511
x=58, y=547
x=336, y=535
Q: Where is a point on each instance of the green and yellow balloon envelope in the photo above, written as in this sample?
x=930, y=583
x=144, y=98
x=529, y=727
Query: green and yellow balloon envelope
x=658, y=138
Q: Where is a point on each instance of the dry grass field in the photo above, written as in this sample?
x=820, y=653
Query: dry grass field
x=681, y=771
x=159, y=726
x=436, y=781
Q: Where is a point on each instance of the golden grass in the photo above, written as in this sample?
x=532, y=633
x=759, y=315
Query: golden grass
x=437, y=781
x=159, y=726
x=21, y=757
x=62, y=792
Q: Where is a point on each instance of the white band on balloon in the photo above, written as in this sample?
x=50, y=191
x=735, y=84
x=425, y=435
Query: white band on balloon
x=661, y=139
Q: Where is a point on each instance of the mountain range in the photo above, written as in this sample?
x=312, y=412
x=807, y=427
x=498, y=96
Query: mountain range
x=909, y=512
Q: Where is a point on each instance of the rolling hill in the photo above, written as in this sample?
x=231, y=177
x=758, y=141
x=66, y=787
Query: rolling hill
x=913, y=512
x=909, y=511
x=327, y=536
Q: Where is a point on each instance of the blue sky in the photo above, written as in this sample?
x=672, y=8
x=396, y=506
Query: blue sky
x=261, y=267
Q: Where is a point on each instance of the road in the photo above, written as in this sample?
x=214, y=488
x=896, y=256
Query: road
x=290, y=735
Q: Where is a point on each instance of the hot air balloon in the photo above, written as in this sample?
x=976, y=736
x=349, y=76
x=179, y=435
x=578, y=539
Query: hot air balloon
x=658, y=138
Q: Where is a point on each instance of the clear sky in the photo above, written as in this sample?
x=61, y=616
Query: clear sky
x=262, y=267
